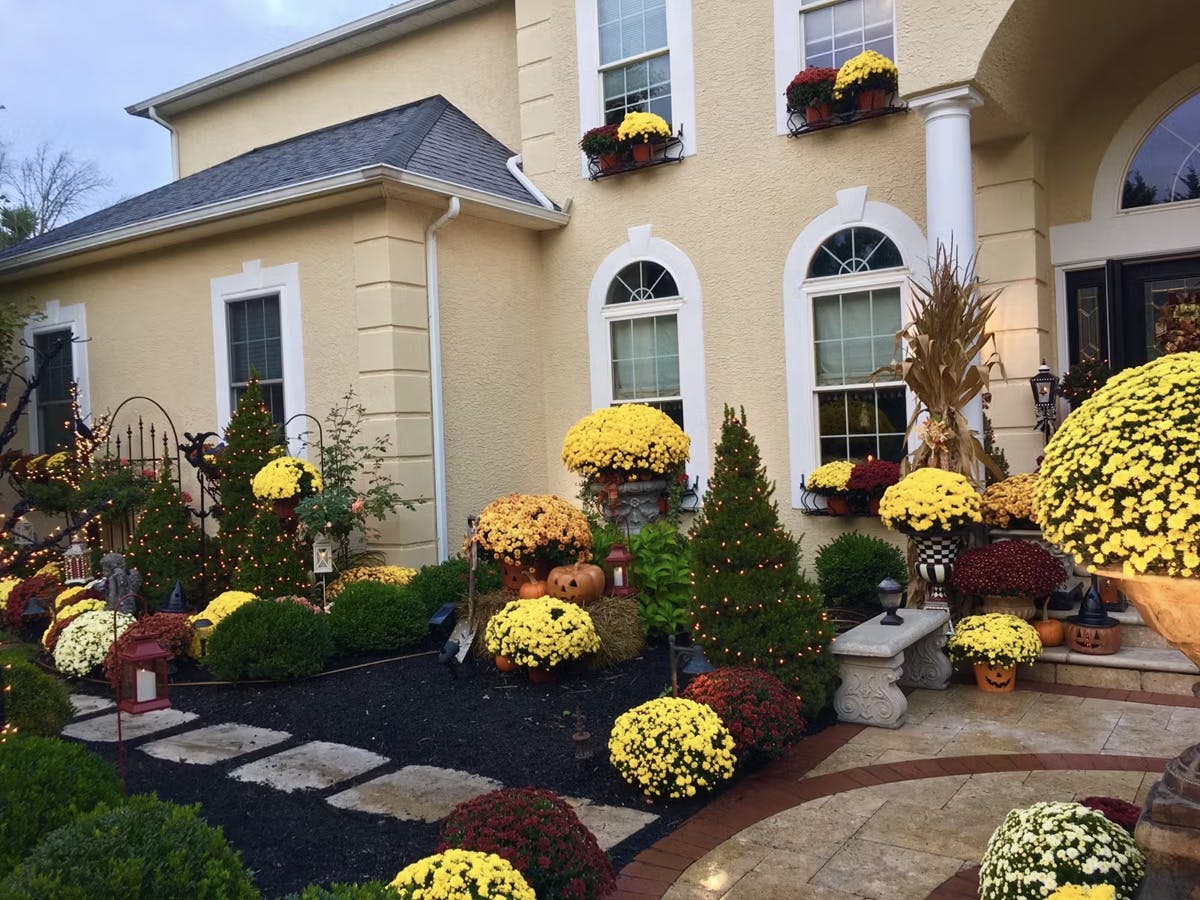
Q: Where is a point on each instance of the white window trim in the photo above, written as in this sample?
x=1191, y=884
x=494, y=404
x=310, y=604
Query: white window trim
x=688, y=309
x=789, y=50
x=56, y=317
x=683, y=76
x=852, y=209
x=254, y=281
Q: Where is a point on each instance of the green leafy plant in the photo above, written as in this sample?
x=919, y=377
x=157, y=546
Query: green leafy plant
x=269, y=640
x=447, y=582
x=45, y=783
x=369, y=615
x=143, y=850
x=662, y=571
x=274, y=563
x=367, y=890
x=851, y=566
x=37, y=703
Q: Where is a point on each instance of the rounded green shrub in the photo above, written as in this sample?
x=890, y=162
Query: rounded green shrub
x=144, y=850
x=369, y=615
x=851, y=566
x=447, y=582
x=38, y=703
x=45, y=783
x=368, y=890
x=269, y=640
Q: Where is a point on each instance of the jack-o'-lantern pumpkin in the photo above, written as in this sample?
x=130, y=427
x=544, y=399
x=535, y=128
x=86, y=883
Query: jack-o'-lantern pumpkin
x=532, y=589
x=1093, y=640
x=580, y=583
x=1050, y=631
x=994, y=679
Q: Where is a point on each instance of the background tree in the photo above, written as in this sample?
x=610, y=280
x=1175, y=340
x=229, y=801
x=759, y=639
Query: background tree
x=51, y=184
x=271, y=564
x=17, y=223
x=166, y=542
x=751, y=605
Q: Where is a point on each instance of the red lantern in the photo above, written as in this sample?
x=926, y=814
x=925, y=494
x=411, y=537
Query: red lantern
x=618, y=567
x=143, y=684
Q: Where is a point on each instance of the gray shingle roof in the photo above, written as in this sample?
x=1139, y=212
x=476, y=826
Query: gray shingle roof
x=430, y=137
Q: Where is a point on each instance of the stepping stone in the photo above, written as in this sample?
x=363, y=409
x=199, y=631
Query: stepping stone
x=103, y=729
x=205, y=746
x=427, y=793
x=86, y=703
x=610, y=824
x=312, y=766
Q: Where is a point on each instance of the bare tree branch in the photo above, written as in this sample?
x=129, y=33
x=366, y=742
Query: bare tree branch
x=53, y=184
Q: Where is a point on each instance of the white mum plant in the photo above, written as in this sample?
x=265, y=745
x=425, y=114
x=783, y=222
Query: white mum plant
x=1040, y=849
x=84, y=643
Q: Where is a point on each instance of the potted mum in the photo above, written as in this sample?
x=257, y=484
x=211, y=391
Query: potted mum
x=1010, y=576
x=539, y=635
x=532, y=532
x=811, y=94
x=627, y=455
x=286, y=481
x=643, y=131
x=868, y=80
x=601, y=144
x=832, y=481
x=868, y=481
x=994, y=644
x=1009, y=503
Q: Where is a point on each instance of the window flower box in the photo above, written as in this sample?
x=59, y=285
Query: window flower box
x=641, y=141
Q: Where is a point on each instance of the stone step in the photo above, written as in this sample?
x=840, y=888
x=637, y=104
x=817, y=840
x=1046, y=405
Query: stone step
x=1164, y=671
x=1134, y=632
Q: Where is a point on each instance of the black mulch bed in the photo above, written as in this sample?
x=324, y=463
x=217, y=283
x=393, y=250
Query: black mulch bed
x=415, y=712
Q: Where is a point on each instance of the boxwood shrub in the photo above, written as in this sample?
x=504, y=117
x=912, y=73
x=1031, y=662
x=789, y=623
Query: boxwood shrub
x=850, y=567
x=45, y=783
x=38, y=703
x=369, y=615
x=447, y=582
x=368, y=890
x=269, y=640
x=146, y=849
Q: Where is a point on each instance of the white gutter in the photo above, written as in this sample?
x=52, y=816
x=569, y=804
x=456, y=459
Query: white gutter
x=514, y=166
x=435, y=376
x=153, y=116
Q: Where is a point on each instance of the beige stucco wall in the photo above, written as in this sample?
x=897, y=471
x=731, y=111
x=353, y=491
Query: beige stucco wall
x=471, y=60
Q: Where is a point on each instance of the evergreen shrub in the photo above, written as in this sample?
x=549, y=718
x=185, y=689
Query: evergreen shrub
x=38, y=703
x=851, y=566
x=269, y=640
x=367, y=890
x=447, y=582
x=369, y=616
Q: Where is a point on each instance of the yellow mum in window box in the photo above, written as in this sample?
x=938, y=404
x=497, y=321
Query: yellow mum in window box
x=541, y=633
x=831, y=478
x=629, y=442
x=930, y=501
x=285, y=478
x=868, y=71
x=644, y=127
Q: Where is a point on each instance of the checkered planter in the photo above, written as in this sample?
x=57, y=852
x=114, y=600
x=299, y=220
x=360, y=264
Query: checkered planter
x=935, y=564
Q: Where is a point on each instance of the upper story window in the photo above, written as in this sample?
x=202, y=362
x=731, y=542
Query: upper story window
x=833, y=31
x=635, y=59
x=256, y=347
x=1166, y=167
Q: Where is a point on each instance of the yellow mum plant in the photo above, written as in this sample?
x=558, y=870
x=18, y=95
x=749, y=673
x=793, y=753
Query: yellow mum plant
x=866, y=72
x=644, y=127
x=1084, y=892
x=996, y=639
x=461, y=875
x=1009, y=500
x=672, y=747
x=541, y=633
x=88, y=604
x=831, y=478
x=521, y=527
x=930, y=501
x=631, y=442
x=1120, y=483
x=217, y=609
x=285, y=478
x=399, y=575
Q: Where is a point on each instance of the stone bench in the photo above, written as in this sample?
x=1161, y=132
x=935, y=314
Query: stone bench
x=872, y=658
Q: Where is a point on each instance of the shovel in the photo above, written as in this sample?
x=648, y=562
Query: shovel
x=464, y=628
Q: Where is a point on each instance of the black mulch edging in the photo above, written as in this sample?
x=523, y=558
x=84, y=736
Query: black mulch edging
x=415, y=712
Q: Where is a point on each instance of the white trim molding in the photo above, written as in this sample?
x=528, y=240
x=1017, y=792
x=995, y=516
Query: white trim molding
x=255, y=281
x=683, y=69
x=689, y=311
x=56, y=317
x=852, y=208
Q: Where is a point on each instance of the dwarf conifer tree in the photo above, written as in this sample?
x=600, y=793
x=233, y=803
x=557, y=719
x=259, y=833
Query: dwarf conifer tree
x=751, y=605
x=166, y=542
x=272, y=564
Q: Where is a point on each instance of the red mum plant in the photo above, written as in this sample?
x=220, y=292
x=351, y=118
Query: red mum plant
x=600, y=140
x=55, y=630
x=873, y=477
x=539, y=834
x=172, y=631
x=44, y=587
x=1008, y=569
x=758, y=709
x=1120, y=812
x=811, y=87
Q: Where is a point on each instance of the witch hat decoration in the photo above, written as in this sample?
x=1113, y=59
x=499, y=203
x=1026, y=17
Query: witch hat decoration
x=174, y=602
x=1091, y=611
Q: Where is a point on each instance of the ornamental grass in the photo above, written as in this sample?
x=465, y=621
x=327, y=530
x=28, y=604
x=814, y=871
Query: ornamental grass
x=1120, y=482
x=631, y=442
x=1008, y=569
x=541, y=633
x=930, y=501
x=1009, y=503
x=994, y=639
x=461, y=875
x=285, y=478
x=672, y=747
x=523, y=527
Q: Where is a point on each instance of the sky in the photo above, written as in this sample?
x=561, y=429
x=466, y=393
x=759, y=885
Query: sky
x=68, y=69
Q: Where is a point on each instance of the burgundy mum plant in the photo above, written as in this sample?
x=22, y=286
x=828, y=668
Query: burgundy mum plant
x=1008, y=568
x=760, y=712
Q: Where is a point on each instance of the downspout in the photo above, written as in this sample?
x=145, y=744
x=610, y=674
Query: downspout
x=514, y=166
x=153, y=115
x=435, y=377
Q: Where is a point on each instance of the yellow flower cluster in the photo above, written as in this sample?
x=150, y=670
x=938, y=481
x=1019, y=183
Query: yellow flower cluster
x=867, y=69
x=1120, y=483
x=286, y=477
x=461, y=875
x=626, y=441
x=217, y=609
x=1084, y=892
x=541, y=633
x=929, y=501
x=833, y=477
x=644, y=126
x=63, y=597
x=1009, y=499
x=6, y=588
x=399, y=575
x=80, y=606
x=51, y=569
x=672, y=747
x=997, y=639
x=520, y=526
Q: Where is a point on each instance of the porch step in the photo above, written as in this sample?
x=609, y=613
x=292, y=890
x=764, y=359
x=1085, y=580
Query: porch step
x=1158, y=670
x=1134, y=632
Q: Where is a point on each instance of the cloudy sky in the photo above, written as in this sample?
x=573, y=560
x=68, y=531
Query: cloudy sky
x=68, y=69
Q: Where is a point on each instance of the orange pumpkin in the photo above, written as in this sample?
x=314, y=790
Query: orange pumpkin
x=504, y=664
x=580, y=583
x=532, y=589
x=1051, y=632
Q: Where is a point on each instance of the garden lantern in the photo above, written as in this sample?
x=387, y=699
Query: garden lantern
x=695, y=662
x=1045, y=398
x=143, y=681
x=890, y=593
x=77, y=562
x=322, y=558
x=618, y=568
x=204, y=630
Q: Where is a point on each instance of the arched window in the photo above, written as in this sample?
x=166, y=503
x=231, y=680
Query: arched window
x=853, y=250
x=1166, y=167
x=644, y=338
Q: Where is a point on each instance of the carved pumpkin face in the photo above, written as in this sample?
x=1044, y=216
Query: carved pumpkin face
x=581, y=583
x=1000, y=679
x=1095, y=641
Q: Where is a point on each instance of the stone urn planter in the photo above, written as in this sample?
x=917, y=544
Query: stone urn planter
x=1014, y=605
x=632, y=504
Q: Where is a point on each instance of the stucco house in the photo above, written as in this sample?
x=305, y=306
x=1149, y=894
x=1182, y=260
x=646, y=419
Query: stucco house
x=400, y=204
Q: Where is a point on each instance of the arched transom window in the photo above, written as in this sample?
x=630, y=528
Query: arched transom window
x=1166, y=167
x=641, y=307
x=854, y=250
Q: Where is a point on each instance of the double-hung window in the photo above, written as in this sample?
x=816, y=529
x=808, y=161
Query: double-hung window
x=53, y=397
x=256, y=347
x=833, y=31
x=635, y=58
x=641, y=309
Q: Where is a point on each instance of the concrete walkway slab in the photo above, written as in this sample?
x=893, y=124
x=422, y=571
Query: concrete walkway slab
x=103, y=729
x=214, y=744
x=425, y=793
x=85, y=704
x=312, y=766
x=610, y=824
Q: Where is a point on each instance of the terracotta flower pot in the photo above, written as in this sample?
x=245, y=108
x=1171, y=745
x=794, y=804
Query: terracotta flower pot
x=543, y=676
x=873, y=506
x=504, y=664
x=644, y=152
x=837, y=506
x=610, y=162
x=872, y=100
x=818, y=115
x=995, y=679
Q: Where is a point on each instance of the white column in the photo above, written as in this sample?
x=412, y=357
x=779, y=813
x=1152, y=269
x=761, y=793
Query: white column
x=949, y=188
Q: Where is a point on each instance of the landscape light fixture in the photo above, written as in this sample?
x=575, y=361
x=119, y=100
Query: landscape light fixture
x=890, y=594
x=618, y=567
x=1045, y=399
x=695, y=662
